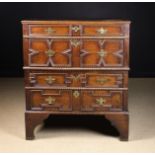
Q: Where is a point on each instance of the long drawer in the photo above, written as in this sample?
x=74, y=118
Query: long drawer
x=74, y=29
x=86, y=53
x=66, y=99
x=87, y=79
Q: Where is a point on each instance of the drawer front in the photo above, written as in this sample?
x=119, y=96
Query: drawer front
x=75, y=100
x=77, y=30
x=49, y=30
x=54, y=100
x=101, y=100
x=105, y=80
x=47, y=79
x=103, y=53
x=46, y=52
x=92, y=79
x=104, y=30
x=88, y=53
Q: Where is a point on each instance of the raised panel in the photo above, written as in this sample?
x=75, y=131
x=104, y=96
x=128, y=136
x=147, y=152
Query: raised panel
x=54, y=100
x=47, y=79
x=98, y=79
x=102, y=53
x=101, y=100
x=103, y=30
x=49, y=30
x=104, y=80
x=47, y=52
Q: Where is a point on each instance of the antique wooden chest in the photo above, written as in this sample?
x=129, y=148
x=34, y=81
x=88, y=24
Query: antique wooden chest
x=76, y=67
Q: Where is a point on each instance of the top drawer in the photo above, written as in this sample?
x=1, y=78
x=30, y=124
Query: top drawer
x=49, y=30
x=96, y=30
x=103, y=30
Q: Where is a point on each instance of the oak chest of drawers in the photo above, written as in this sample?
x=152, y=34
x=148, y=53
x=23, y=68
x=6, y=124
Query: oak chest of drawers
x=76, y=67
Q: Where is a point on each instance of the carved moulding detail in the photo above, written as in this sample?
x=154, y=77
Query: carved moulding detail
x=95, y=104
x=56, y=105
x=103, y=79
x=50, y=54
x=102, y=55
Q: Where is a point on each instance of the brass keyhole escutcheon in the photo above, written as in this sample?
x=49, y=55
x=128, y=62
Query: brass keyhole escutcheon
x=76, y=94
x=50, y=100
x=75, y=28
x=50, y=80
x=100, y=100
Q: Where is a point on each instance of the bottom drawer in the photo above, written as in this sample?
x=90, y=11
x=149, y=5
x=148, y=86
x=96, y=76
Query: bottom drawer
x=49, y=99
x=75, y=100
x=101, y=100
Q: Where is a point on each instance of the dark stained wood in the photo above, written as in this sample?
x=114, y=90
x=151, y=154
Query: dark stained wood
x=76, y=67
x=121, y=122
x=57, y=78
x=48, y=30
x=32, y=120
x=76, y=52
x=101, y=100
x=49, y=99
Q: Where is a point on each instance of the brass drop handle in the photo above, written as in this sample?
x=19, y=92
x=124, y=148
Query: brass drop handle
x=100, y=100
x=50, y=80
x=50, y=100
x=102, y=53
x=49, y=30
x=75, y=28
x=50, y=53
x=102, y=80
x=76, y=94
x=101, y=31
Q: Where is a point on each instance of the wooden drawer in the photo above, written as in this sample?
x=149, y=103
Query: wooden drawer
x=101, y=100
x=103, y=30
x=49, y=30
x=47, y=79
x=103, y=53
x=77, y=30
x=46, y=52
x=66, y=100
x=98, y=79
x=48, y=99
x=106, y=80
x=55, y=30
x=89, y=53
